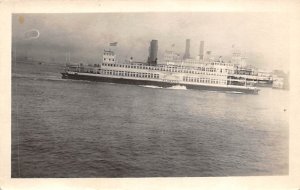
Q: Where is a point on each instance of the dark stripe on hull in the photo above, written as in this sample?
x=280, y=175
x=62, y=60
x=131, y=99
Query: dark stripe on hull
x=154, y=83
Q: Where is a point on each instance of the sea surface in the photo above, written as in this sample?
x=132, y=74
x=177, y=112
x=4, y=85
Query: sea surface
x=67, y=128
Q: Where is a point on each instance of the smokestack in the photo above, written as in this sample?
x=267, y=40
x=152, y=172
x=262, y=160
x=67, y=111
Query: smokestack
x=187, y=49
x=152, y=59
x=201, y=53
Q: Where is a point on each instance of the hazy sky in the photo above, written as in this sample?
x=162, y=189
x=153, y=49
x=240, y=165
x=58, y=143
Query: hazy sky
x=263, y=37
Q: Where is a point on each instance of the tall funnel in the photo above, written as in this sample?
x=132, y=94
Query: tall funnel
x=201, y=51
x=152, y=59
x=187, y=49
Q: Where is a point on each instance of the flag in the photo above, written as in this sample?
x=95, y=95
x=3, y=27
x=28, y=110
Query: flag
x=113, y=44
x=32, y=34
x=208, y=52
x=173, y=45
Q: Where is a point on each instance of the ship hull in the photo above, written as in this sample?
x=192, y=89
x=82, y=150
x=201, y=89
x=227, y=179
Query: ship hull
x=155, y=83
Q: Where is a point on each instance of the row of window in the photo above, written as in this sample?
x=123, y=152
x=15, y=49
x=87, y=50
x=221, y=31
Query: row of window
x=104, y=59
x=199, y=71
x=108, y=53
x=222, y=64
x=196, y=62
x=204, y=80
x=130, y=74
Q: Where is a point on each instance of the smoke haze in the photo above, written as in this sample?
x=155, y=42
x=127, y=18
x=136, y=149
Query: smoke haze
x=262, y=37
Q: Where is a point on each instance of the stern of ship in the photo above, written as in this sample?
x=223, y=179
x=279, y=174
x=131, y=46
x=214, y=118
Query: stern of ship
x=64, y=75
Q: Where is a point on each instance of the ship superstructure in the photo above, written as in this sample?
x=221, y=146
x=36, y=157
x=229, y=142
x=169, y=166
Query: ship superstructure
x=193, y=74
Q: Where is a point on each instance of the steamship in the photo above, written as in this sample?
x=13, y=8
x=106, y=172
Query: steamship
x=188, y=73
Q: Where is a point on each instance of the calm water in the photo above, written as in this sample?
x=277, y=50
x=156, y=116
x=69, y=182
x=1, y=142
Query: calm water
x=65, y=128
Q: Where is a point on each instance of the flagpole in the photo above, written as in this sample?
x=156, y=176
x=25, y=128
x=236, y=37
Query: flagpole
x=116, y=54
x=114, y=44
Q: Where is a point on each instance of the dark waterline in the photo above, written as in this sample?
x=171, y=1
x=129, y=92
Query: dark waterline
x=65, y=128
